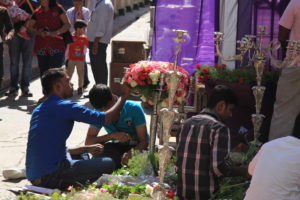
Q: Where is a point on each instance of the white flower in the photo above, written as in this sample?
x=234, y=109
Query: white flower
x=149, y=189
x=154, y=76
x=143, y=98
x=133, y=83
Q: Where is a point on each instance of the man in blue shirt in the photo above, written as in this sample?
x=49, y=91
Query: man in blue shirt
x=51, y=124
x=128, y=132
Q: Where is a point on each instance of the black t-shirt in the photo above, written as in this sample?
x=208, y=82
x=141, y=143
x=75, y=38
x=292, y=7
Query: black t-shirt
x=26, y=8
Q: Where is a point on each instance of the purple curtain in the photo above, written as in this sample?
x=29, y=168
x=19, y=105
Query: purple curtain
x=195, y=16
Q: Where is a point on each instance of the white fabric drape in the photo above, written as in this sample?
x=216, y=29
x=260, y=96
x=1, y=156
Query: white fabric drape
x=228, y=25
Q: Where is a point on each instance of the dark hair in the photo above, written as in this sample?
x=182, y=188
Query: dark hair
x=296, y=130
x=50, y=77
x=79, y=24
x=221, y=93
x=100, y=95
x=53, y=3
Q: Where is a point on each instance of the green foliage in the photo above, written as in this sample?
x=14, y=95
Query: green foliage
x=122, y=191
x=235, y=187
x=232, y=188
x=153, y=157
x=242, y=76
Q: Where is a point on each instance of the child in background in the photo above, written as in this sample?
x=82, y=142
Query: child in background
x=75, y=53
x=17, y=13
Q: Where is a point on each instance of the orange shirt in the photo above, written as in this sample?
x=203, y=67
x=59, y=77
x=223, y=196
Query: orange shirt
x=77, y=49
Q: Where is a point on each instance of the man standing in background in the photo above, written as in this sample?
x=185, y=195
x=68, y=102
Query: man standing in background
x=82, y=13
x=18, y=47
x=287, y=104
x=99, y=33
x=6, y=24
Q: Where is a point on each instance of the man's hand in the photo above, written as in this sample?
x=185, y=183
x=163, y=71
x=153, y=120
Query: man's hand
x=125, y=158
x=95, y=149
x=95, y=48
x=121, y=136
x=126, y=90
x=9, y=36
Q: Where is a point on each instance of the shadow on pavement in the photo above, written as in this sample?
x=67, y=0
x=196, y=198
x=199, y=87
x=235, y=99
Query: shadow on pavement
x=22, y=103
x=13, y=180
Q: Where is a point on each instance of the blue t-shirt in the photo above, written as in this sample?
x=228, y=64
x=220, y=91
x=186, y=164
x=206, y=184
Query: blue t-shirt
x=131, y=117
x=50, y=126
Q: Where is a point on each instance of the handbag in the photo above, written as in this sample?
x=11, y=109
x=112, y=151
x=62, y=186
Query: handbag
x=67, y=37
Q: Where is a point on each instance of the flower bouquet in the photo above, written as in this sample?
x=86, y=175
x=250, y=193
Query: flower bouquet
x=144, y=78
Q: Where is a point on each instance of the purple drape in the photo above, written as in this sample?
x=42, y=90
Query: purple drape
x=195, y=16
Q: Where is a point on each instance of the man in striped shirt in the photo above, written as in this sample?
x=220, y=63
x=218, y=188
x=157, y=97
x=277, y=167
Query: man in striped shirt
x=204, y=146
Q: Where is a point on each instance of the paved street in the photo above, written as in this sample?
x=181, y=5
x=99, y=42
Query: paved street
x=15, y=113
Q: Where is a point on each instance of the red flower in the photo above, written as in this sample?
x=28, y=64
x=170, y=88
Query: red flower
x=200, y=79
x=170, y=194
x=207, y=77
x=217, y=66
x=198, y=66
x=205, y=70
x=241, y=80
x=223, y=66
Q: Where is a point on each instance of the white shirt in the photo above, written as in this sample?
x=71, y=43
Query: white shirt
x=91, y=4
x=101, y=22
x=73, y=16
x=276, y=171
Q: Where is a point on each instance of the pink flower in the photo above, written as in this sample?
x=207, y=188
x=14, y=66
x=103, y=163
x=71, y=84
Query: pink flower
x=89, y=195
x=102, y=190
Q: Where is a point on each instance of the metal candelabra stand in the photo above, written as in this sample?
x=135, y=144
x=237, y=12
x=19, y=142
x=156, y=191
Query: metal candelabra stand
x=256, y=56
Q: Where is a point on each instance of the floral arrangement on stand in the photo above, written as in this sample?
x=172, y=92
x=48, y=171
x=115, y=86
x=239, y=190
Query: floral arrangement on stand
x=144, y=78
x=242, y=76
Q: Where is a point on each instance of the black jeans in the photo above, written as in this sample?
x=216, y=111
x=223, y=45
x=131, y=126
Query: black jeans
x=98, y=63
x=1, y=63
x=115, y=151
x=48, y=62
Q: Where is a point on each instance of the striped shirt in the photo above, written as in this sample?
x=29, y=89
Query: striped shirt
x=202, y=155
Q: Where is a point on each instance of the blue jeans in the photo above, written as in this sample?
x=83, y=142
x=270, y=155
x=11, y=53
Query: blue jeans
x=49, y=62
x=17, y=47
x=76, y=172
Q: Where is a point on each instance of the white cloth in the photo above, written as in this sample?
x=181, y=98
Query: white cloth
x=276, y=171
x=91, y=4
x=228, y=23
x=73, y=16
x=101, y=22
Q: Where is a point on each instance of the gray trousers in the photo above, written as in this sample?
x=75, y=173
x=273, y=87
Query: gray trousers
x=287, y=104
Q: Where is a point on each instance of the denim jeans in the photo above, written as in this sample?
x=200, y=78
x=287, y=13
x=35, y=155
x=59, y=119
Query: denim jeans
x=76, y=172
x=49, y=62
x=17, y=47
x=98, y=63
